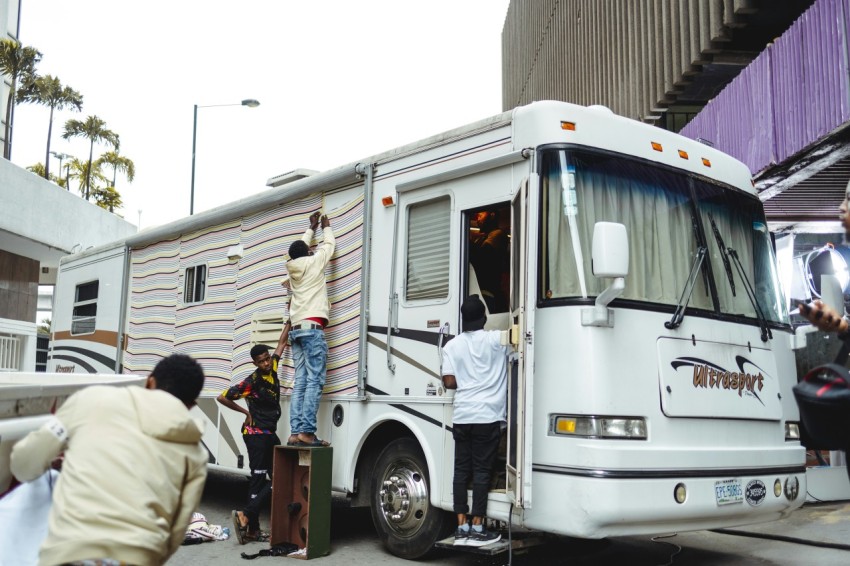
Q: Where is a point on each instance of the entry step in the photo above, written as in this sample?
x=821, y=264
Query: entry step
x=519, y=541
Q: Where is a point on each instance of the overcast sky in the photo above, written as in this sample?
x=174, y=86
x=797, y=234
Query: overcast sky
x=337, y=80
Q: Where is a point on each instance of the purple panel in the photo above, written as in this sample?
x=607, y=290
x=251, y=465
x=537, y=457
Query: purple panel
x=792, y=95
x=738, y=121
x=809, y=78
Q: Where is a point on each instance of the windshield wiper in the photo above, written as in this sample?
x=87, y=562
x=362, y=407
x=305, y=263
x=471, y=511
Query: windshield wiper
x=679, y=313
x=751, y=293
x=765, y=329
x=724, y=254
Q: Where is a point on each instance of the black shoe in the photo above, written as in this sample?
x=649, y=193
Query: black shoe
x=482, y=537
x=461, y=537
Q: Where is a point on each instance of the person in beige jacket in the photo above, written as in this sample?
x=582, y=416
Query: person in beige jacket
x=309, y=311
x=133, y=470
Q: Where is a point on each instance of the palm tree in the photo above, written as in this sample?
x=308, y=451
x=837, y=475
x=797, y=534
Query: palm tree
x=93, y=129
x=85, y=171
x=47, y=90
x=16, y=62
x=107, y=198
x=118, y=163
x=38, y=169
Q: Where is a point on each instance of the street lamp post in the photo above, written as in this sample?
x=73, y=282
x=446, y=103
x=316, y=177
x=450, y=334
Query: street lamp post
x=61, y=157
x=249, y=102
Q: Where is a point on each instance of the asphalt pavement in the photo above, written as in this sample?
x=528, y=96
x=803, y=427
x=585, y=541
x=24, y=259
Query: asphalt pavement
x=818, y=534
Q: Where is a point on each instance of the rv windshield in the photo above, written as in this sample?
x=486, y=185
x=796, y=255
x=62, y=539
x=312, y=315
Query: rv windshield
x=668, y=216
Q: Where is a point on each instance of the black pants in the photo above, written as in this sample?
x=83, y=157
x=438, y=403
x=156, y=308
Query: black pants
x=476, y=446
x=260, y=458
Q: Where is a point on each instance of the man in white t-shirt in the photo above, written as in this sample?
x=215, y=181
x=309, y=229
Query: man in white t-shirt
x=475, y=363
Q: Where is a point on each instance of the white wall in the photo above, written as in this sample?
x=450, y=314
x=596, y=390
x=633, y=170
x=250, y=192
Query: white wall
x=47, y=215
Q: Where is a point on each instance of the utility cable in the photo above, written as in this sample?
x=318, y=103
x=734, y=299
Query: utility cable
x=782, y=538
x=672, y=556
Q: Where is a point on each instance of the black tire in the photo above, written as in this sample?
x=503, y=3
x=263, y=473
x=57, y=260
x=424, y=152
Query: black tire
x=406, y=522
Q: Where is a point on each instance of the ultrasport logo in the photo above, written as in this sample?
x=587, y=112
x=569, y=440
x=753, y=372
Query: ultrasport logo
x=708, y=375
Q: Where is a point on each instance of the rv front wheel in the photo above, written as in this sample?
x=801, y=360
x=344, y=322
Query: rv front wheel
x=401, y=509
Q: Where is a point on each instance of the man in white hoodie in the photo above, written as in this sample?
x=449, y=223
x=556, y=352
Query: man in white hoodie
x=309, y=311
x=133, y=470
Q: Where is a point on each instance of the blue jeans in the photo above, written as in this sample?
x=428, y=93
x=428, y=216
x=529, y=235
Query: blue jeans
x=310, y=354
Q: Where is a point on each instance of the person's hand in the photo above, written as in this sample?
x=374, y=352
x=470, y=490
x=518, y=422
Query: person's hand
x=325, y=221
x=314, y=220
x=824, y=317
x=249, y=421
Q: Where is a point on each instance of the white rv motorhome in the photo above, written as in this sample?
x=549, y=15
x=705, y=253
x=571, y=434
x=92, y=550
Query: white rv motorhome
x=651, y=391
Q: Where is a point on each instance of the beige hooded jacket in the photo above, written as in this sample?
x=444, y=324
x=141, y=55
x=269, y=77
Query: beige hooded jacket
x=133, y=474
x=307, y=280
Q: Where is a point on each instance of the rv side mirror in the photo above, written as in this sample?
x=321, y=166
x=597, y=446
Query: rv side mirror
x=610, y=250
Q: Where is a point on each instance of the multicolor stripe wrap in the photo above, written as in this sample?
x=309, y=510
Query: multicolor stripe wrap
x=217, y=332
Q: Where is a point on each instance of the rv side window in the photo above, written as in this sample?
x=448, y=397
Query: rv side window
x=85, y=308
x=194, y=284
x=427, y=274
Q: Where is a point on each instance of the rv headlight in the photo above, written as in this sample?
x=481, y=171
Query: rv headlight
x=628, y=428
x=792, y=431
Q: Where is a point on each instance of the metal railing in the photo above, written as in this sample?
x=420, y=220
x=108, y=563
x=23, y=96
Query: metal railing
x=10, y=353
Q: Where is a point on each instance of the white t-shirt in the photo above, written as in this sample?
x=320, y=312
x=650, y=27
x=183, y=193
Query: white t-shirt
x=480, y=365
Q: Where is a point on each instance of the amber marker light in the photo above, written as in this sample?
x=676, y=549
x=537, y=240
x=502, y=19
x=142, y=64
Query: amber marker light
x=683, y=154
x=657, y=146
x=570, y=126
x=565, y=426
x=387, y=201
x=706, y=162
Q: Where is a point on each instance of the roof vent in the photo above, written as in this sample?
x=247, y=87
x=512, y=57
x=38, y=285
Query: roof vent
x=290, y=177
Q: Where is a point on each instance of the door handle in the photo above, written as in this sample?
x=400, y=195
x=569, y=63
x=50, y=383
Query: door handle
x=444, y=330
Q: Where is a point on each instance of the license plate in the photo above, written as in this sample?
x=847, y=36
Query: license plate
x=728, y=491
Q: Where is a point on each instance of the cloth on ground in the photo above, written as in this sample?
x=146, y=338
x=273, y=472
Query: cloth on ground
x=201, y=531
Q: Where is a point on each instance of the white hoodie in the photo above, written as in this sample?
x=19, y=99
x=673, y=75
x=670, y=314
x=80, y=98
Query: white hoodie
x=307, y=280
x=133, y=474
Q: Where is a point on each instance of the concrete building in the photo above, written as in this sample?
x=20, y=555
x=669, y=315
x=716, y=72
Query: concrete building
x=764, y=81
x=654, y=60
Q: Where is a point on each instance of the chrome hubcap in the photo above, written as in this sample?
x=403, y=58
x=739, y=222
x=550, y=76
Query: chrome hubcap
x=404, y=498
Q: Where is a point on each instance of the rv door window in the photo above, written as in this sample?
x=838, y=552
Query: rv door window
x=427, y=273
x=194, y=284
x=85, y=308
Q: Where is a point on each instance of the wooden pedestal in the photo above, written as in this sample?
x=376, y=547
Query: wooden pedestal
x=301, y=499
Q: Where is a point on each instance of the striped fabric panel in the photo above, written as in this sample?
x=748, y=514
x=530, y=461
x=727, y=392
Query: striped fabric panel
x=154, y=293
x=205, y=330
x=266, y=239
x=217, y=332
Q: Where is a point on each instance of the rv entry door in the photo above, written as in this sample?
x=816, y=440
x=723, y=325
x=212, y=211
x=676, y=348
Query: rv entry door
x=518, y=465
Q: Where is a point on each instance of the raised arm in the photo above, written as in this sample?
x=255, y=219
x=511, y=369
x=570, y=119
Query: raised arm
x=284, y=338
x=326, y=249
x=307, y=238
x=824, y=317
